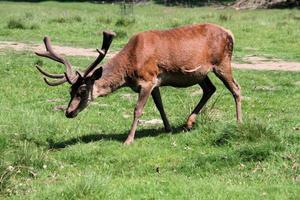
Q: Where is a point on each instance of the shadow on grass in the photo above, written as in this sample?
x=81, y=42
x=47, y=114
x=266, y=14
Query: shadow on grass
x=111, y=136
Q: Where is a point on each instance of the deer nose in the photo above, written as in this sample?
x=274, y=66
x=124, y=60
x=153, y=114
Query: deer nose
x=70, y=114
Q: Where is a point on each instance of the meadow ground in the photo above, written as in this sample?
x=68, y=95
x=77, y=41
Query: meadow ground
x=44, y=155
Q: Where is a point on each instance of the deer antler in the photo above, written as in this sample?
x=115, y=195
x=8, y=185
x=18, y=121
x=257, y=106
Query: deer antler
x=59, y=76
x=107, y=39
x=68, y=76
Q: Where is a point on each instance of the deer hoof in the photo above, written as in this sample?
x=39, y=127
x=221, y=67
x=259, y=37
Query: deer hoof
x=187, y=128
x=190, y=121
x=128, y=141
x=168, y=129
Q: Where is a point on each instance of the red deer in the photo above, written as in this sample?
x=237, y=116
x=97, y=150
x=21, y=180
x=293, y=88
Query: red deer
x=179, y=57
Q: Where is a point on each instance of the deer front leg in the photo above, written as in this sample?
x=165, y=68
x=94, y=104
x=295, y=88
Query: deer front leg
x=142, y=99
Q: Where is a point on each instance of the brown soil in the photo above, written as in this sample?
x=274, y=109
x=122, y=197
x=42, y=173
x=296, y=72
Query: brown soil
x=69, y=51
x=262, y=63
x=249, y=62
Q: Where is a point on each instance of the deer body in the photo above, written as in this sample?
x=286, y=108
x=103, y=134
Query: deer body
x=179, y=57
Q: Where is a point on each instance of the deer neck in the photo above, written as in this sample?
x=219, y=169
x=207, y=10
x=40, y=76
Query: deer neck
x=113, y=77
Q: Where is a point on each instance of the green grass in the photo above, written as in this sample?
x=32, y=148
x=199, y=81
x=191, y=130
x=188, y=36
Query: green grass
x=47, y=156
x=272, y=33
x=44, y=155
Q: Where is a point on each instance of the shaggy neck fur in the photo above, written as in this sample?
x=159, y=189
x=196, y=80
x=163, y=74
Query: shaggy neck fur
x=113, y=76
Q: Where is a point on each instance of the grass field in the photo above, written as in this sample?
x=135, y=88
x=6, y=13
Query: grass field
x=44, y=155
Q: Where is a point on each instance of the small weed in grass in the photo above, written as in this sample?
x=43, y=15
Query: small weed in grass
x=5, y=175
x=120, y=33
x=16, y=24
x=84, y=186
x=28, y=156
x=59, y=20
x=254, y=153
x=224, y=139
x=66, y=19
x=255, y=131
x=207, y=16
x=224, y=17
x=104, y=20
x=125, y=21
x=76, y=18
x=216, y=161
x=188, y=21
x=29, y=15
x=247, y=132
x=8, y=173
x=175, y=23
x=3, y=143
x=24, y=161
x=296, y=17
x=22, y=23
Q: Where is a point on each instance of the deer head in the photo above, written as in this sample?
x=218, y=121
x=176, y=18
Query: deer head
x=81, y=82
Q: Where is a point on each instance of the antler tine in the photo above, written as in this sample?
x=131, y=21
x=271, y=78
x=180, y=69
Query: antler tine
x=108, y=36
x=49, y=53
x=59, y=82
x=107, y=39
x=54, y=56
x=69, y=69
x=58, y=76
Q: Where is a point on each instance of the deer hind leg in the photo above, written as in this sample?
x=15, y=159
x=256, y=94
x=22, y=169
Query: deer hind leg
x=144, y=94
x=224, y=73
x=157, y=100
x=208, y=90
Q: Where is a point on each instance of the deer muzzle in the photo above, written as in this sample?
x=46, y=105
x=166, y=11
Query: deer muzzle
x=71, y=114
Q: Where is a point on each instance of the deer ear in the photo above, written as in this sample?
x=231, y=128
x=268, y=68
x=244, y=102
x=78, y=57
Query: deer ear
x=97, y=74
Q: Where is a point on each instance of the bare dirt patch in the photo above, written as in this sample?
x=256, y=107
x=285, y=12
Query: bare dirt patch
x=152, y=122
x=68, y=51
x=60, y=108
x=262, y=63
x=249, y=62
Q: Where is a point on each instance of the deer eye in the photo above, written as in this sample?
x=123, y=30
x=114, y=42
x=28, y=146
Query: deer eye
x=82, y=91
